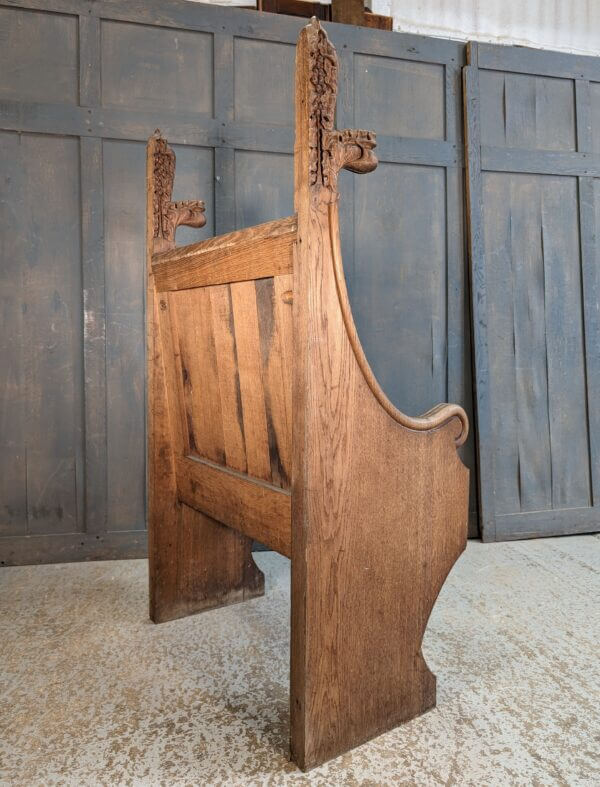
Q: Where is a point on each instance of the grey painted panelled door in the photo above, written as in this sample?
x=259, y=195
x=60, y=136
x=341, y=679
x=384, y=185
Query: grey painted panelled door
x=533, y=136
x=83, y=85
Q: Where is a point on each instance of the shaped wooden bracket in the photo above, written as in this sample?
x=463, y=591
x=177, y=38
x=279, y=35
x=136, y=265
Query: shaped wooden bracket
x=330, y=149
x=350, y=149
x=169, y=215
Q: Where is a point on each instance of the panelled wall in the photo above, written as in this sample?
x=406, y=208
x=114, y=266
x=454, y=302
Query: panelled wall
x=402, y=225
x=534, y=168
x=83, y=85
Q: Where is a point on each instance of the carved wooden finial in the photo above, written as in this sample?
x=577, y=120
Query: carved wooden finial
x=169, y=215
x=331, y=150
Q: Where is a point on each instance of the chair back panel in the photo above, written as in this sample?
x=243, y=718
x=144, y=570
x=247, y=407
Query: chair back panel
x=232, y=346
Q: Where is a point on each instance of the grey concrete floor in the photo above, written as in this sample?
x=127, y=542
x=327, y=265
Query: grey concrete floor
x=92, y=693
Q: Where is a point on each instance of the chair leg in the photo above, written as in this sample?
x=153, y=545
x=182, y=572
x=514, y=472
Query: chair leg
x=198, y=564
x=195, y=563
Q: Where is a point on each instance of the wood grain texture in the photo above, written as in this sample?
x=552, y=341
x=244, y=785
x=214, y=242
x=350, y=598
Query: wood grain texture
x=348, y=12
x=410, y=299
x=257, y=509
x=536, y=343
x=201, y=406
x=234, y=440
x=254, y=253
x=360, y=603
x=195, y=563
x=527, y=111
x=275, y=330
x=252, y=389
x=230, y=360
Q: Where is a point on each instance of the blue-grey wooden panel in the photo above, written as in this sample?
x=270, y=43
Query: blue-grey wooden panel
x=415, y=91
x=124, y=174
x=124, y=166
x=152, y=68
x=262, y=77
x=535, y=295
x=38, y=56
x=595, y=115
x=535, y=342
x=399, y=285
x=87, y=84
x=41, y=387
x=264, y=187
x=526, y=111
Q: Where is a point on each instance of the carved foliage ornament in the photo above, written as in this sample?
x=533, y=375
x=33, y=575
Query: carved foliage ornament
x=331, y=150
x=169, y=215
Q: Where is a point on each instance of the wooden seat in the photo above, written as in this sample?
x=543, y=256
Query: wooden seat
x=266, y=422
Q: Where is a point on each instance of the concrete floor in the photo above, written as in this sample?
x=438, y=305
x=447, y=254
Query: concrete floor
x=93, y=694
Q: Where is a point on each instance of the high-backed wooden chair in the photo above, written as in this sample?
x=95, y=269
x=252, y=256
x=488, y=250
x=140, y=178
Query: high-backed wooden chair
x=266, y=422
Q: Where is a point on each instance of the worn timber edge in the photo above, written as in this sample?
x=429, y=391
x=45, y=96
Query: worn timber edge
x=478, y=290
x=254, y=253
x=69, y=547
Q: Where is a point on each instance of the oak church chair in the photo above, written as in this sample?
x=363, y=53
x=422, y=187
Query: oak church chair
x=266, y=422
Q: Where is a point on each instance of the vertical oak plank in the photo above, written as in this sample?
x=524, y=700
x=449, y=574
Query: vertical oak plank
x=229, y=378
x=283, y=296
x=279, y=424
x=247, y=339
x=193, y=314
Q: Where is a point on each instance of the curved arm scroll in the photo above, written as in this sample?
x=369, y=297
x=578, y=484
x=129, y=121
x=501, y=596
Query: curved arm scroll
x=438, y=416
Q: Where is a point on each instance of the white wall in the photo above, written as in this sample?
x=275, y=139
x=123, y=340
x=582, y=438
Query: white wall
x=568, y=25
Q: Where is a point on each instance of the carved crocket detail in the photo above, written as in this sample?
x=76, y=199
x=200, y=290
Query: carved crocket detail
x=322, y=95
x=169, y=215
x=331, y=150
x=350, y=149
